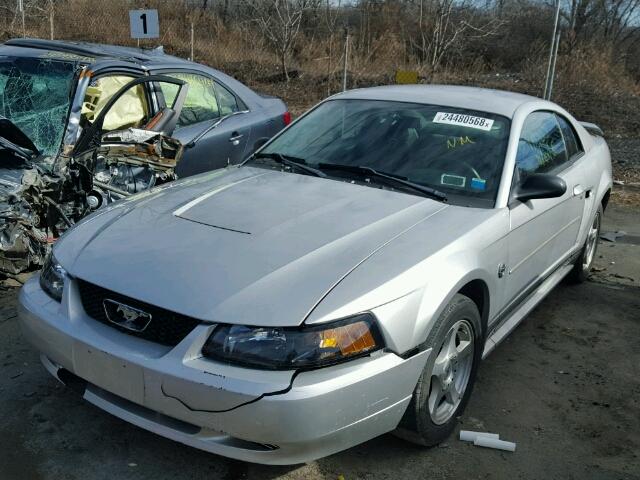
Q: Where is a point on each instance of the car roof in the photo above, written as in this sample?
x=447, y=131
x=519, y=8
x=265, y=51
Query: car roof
x=481, y=99
x=92, y=52
x=102, y=56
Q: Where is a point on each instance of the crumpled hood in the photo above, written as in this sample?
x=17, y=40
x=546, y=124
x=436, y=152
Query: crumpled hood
x=248, y=245
x=14, y=139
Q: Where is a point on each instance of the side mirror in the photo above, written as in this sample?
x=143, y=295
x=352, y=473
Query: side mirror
x=260, y=142
x=540, y=185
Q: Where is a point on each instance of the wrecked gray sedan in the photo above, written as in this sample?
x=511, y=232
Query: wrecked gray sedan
x=83, y=125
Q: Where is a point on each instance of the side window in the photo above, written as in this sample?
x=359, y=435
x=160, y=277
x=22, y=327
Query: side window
x=541, y=147
x=130, y=110
x=201, y=103
x=228, y=102
x=570, y=137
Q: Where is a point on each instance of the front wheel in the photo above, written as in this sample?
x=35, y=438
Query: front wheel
x=584, y=262
x=445, y=385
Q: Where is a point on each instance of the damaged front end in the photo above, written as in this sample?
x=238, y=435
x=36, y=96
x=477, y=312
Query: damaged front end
x=125, y=163
x=22, y=204
x=40, y=198
x=22, y=242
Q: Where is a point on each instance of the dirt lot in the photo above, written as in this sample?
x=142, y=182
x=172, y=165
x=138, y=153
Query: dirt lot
x=564, y=386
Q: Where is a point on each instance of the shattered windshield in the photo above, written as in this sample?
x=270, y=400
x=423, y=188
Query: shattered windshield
x=35, y=94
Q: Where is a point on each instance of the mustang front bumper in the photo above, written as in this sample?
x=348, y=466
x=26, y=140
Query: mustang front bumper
x=270, y=417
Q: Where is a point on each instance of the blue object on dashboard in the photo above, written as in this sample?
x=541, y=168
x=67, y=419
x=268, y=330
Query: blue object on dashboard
x=478, y=183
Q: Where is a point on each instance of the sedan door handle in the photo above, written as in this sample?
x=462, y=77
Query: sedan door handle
x=578, y=190
x=235, y=138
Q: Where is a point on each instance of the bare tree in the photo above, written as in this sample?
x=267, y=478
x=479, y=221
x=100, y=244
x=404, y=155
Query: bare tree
x=442, y=23
x=279, y=21
x=331, y=14
x=620, y=19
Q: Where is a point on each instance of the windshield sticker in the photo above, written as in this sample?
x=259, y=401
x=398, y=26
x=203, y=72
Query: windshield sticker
x=478, y=183
x=453, y=180
x=454, y=142
x=463, y=120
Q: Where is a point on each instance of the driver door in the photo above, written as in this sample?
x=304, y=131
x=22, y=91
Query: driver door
x=542, y=231
x=128, y=108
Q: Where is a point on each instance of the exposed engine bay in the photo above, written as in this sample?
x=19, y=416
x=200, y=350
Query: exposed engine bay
x=41, y=198
x=130, y=161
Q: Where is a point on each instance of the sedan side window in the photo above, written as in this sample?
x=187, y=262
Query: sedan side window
x=228, y=101
x=201, y=103
x=571, y=139
x=541, y=147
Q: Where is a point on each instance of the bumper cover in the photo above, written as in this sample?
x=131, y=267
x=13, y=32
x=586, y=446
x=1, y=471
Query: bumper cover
x=252, y=415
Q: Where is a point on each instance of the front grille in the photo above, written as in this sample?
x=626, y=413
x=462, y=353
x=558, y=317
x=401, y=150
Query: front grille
x=166, y=327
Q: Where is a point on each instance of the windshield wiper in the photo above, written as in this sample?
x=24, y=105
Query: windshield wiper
x=290, y=161
x=388, y=177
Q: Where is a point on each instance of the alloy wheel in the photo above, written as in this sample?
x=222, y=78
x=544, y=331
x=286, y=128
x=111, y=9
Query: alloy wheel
x=451, y=372
x=592, y=242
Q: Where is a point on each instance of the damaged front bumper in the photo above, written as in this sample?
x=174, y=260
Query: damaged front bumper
x=271, y=417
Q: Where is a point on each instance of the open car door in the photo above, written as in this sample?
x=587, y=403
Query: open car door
x=111, y=117
x=126, y=150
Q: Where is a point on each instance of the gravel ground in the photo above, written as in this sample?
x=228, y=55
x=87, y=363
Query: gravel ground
x=625, y=159
x=625, y=156
x=564, y=386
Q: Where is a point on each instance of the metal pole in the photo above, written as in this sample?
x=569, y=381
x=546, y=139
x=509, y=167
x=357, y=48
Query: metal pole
x=553, y=67
x=346, y=59
x=551, y=49
x=51, y=19
x=191, y=42
x=21, y=8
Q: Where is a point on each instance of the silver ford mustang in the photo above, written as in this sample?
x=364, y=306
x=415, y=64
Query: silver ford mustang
x=343, y=282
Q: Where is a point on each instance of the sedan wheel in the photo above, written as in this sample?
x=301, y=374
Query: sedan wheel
x=451, y=371
x=446, y=382
x=592, y=243
x=584, y=262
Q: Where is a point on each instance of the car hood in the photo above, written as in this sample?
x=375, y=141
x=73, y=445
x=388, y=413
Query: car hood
x=19, y=146
x=15, y=140
x=247, y=246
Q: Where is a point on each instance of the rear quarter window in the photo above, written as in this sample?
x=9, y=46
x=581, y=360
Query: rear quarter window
x=574, y=148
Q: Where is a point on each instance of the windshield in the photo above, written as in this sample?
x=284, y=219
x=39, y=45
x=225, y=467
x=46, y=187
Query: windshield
x=35, y=94
x=456, y=151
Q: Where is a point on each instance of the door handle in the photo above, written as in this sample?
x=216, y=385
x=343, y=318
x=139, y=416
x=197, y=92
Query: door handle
x=579, y=190
x=235, y=138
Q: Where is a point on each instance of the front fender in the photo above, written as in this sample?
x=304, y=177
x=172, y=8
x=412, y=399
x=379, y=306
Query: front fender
x=407, y=292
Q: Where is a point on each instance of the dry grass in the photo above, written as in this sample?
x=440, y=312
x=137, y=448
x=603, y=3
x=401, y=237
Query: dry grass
x=591, y=82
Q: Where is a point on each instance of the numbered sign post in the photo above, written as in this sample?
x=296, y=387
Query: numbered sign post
x=144, y=23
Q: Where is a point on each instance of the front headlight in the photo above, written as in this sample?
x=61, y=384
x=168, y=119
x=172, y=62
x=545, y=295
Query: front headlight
x=52, y=277
x=291, y=348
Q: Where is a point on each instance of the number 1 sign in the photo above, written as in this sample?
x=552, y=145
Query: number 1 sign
x=144, y=23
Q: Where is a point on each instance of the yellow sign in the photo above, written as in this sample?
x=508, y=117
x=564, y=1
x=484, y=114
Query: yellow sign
x=405, y=77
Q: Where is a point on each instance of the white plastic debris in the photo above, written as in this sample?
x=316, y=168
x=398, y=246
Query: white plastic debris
x=489, y=442
x=470, y=436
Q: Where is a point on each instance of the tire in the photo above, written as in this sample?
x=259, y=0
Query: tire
x=584, y=262
x=428, y=420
